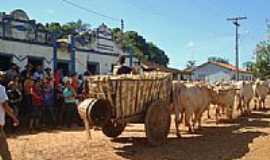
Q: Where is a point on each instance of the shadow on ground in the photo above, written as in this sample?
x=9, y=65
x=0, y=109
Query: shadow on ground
x=21, y=132
x=213, y=143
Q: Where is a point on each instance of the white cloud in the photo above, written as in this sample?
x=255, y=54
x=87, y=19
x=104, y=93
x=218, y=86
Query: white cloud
x=245, y=32
x=190, y=44
x=50, y=11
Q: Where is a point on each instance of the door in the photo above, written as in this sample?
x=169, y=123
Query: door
x=93, y=67
x=5, y=62
x=35, y=61
x=64, y=66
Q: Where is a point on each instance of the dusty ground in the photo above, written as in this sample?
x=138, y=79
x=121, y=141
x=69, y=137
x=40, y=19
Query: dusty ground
x=245, y=138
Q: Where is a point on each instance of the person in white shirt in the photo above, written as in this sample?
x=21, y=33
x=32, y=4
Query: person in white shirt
x=4, y=108
x=39, y=73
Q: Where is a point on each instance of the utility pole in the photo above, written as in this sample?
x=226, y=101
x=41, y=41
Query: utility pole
x=122, y=25
x=235, y=21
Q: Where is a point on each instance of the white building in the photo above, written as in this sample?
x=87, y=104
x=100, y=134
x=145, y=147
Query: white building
x=215, y=71
x=22, y=40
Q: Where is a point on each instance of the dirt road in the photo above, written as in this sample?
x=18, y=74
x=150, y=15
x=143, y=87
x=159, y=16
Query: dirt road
x=245, y=138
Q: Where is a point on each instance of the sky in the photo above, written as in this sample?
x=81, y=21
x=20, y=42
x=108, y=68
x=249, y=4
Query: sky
x=184, y=29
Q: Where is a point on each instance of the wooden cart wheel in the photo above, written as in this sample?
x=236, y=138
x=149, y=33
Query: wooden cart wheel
x=157, y=123
x=113, y=130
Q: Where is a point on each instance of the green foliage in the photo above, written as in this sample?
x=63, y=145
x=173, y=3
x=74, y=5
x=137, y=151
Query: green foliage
x=218, y=59
x=190, y=64
x=143, y=50
x=262, y=65
x=157, y=55
x=56, y=28
x=249, y=66
x=62, y=31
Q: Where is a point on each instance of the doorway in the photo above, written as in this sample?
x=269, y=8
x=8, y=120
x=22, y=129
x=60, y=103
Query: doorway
x=35, y=61
x=64, y=66
x=93, y=67
x=5, y=62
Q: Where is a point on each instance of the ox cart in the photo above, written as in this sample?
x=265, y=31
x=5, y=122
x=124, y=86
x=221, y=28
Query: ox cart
x=114, y=101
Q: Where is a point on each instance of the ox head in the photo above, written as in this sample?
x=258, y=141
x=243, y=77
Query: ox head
x=210, y=91
x=222, y=91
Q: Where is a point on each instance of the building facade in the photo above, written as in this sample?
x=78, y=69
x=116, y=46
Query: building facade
x=23, y=41
x=215, y=71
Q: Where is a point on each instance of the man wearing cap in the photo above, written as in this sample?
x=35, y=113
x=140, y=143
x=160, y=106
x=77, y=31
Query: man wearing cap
x=4, y=108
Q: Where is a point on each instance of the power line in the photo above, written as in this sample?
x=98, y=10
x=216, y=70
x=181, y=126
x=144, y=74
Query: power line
x=90, y=10
x=235, y=21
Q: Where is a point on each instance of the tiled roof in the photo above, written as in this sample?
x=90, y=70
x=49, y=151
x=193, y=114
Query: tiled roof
x=224, y=65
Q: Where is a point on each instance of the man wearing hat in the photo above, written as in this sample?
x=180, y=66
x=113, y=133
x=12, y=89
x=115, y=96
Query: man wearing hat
x=5, y=109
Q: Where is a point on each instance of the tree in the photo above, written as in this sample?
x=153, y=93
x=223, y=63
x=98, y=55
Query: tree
x=75, y=27
x=156, y=55
x=55, y=28
x=117, y=35
x=262, y=65
x=62, y=31
x=143, y=50
x=191, y=64
x=218, y=59
x=249, y=66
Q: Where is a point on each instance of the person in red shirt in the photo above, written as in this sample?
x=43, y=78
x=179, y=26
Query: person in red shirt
x=57, y=77
x=37, y=106
x=75, y=82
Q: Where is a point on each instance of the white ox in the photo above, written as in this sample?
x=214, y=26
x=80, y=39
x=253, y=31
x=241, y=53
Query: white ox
x=261, y=90
x=225, y=98
x=245, y=93
x=190, y=99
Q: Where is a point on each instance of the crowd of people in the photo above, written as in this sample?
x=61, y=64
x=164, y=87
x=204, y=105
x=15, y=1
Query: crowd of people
x=42, y=99
x=37, y=98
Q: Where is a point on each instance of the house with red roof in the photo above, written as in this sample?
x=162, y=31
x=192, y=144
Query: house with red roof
x=215, y=71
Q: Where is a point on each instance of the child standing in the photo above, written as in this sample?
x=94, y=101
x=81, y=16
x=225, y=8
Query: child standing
x=37, y=106
x=70, y=104
x=59, y=101
x=26, y=109
x=49, y=110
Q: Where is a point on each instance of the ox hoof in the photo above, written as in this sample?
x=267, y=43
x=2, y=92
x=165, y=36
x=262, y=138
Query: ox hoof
x=178, y=135
x=191, y=131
